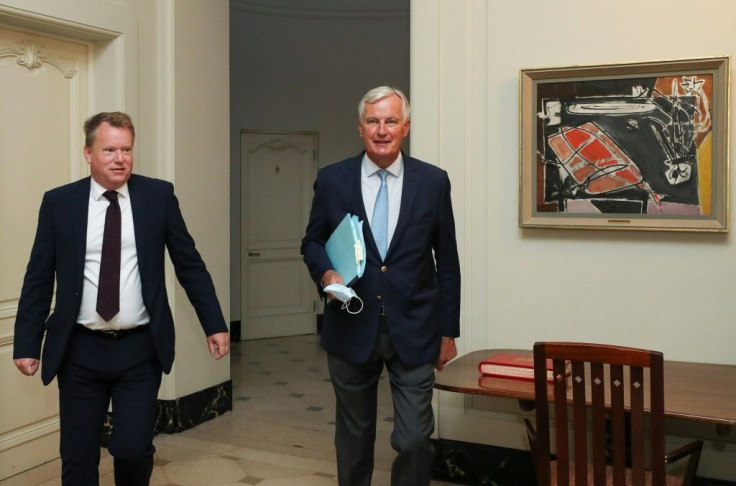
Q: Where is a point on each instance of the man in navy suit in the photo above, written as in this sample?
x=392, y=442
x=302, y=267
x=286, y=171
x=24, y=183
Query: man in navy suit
x=410, y=289
x=120, y=358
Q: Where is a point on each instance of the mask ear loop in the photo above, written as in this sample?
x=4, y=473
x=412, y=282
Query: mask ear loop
x=346, y=305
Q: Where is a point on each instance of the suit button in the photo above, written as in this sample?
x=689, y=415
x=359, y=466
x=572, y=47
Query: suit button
x=384, y=269
x=379, y=298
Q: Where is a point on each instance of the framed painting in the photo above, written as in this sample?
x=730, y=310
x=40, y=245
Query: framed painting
x=638, y=146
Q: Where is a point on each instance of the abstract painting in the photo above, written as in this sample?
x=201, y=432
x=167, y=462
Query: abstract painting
x=635, y=146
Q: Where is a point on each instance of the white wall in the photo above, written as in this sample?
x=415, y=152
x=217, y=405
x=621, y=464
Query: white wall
x=304, y=67
x=183, y=137
x=202, y=170
x=668, y=291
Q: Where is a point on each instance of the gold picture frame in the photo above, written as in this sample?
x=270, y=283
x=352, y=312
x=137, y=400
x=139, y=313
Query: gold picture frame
x=634, y=146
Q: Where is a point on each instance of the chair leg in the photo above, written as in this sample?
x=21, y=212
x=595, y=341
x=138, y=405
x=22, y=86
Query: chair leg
x=692, y=463
x=541, y=464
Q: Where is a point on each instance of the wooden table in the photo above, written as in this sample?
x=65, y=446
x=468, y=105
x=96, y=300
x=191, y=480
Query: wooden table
x=692, y=391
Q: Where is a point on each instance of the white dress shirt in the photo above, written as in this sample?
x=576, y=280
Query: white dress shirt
x=132, y=311
x=370, y=183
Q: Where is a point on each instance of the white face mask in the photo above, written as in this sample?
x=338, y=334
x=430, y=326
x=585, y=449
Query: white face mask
x=345, y=295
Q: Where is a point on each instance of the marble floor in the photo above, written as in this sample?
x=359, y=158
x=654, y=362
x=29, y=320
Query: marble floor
x=280, y=431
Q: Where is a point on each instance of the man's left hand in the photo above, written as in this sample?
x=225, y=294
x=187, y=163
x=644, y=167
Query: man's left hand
x=219, y=344
x=447, y=352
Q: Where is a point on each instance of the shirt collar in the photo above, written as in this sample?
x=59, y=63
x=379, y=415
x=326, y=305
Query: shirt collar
x=97, y=190
x=369, y=167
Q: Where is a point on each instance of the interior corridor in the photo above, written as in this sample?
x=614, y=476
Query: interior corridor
x=280, y=431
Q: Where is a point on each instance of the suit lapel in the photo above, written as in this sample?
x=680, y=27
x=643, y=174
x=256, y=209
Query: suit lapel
x=80, y=208
x=408, y=195
x=352, y=184
x=138, y=207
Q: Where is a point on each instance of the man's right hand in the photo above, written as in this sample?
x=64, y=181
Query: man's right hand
x=27, y=366
x=330, y=277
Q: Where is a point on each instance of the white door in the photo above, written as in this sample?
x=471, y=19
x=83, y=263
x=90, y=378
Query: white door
x=43, y=93
x=277, y=171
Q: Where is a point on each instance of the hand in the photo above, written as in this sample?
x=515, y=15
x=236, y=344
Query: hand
x=447, y=352
x=330, y=277
x=27, y=366
x=219, y=344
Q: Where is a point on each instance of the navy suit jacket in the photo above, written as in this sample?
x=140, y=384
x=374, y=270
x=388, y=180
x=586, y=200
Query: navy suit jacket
x=418, y=283
x=59, y=253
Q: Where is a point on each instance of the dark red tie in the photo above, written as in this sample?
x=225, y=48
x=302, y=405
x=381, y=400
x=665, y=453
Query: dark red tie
x=108, y=290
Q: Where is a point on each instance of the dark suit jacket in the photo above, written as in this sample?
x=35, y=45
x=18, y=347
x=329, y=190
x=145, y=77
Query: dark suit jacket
x=419, y=281
x=59, y=253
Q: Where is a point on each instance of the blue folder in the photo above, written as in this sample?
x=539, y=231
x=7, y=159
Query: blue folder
x=346, y=249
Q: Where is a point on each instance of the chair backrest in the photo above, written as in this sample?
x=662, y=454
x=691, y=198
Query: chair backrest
x=611, y=382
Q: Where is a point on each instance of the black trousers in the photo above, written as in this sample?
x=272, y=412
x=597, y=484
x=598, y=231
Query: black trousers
x=98, y=370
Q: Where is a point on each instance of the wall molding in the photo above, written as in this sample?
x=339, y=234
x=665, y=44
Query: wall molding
x=8, y=308
x=111, y=32
x=33, y=56
x=29, y=433
x=297, y=10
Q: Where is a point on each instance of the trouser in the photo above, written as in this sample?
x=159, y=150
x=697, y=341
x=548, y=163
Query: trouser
x=97, y=370
x=356, y=388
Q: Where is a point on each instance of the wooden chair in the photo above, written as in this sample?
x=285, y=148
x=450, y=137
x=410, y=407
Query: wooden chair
x=611, y=384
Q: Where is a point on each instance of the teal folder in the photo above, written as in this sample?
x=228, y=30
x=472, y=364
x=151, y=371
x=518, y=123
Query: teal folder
x=346, y=249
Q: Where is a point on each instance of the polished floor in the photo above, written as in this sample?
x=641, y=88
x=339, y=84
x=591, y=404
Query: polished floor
x=279, y=433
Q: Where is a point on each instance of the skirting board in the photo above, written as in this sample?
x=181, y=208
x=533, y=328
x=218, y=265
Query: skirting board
x=477, y=464
x=183, y=413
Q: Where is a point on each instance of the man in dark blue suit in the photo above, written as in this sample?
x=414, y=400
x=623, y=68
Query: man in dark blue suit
x=118, y=357
x=410, y=289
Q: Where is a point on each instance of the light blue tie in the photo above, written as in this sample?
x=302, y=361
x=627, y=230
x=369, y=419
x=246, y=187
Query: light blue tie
x=379, y=223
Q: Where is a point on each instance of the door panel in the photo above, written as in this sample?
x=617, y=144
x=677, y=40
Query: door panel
x=277, y=171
